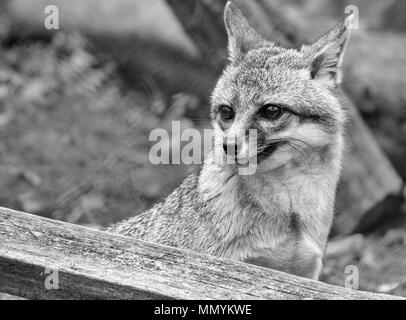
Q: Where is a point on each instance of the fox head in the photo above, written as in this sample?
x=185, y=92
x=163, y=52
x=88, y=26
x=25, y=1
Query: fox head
x=289, y=98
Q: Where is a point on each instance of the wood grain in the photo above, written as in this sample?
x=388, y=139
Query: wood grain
x=93, y=264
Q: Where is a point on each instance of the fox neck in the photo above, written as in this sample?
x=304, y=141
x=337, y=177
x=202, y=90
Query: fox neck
x=238, y=201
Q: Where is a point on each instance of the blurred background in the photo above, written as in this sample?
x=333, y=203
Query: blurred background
x=77, y=105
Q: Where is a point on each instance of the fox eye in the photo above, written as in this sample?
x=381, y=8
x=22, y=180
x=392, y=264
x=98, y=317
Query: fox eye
x=271, y=112
x=226, y=112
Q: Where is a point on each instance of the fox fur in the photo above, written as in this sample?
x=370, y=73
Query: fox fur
x=280, y=217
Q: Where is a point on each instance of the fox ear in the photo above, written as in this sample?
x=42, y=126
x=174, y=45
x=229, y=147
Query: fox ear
x=325, y=56
x=242, y=37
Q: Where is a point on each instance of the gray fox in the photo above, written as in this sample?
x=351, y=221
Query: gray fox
x=280, y=217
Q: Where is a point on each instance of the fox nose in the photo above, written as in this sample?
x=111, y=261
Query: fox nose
x=230, y=149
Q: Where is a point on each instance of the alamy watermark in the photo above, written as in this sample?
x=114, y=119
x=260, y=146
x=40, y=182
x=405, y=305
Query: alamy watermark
x=51, y=21
x=352, y=277
x=353, y=10
x=51, y=281
x=238, y=148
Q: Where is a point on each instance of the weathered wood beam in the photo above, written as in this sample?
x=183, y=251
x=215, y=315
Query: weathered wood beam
x=93, y=264
x=368, y=177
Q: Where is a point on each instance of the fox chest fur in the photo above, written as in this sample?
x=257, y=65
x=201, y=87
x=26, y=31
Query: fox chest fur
x=276, y=220
x=280, y=215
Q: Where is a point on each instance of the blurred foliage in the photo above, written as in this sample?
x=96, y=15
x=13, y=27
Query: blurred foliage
x=74, y=142
x=379, y=259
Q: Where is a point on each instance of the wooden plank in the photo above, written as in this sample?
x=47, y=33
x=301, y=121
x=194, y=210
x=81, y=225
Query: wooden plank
x=368, y=177
x=93, y=264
